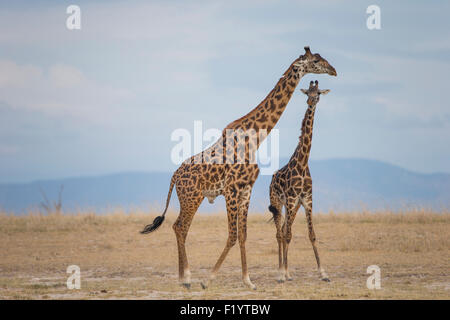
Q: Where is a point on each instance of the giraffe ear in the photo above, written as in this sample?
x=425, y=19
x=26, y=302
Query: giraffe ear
x=304, y=91
x=324, y=92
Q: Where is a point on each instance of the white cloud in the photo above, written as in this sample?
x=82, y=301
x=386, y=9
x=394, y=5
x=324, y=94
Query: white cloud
x=14, y=75
x=406, y=86
x=63, y=76
x=61, y=91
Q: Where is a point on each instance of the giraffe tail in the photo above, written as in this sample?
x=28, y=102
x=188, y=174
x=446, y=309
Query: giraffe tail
x=274, y=212
x=160, y=219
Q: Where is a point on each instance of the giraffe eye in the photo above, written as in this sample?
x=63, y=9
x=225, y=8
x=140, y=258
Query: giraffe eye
x=315, y=61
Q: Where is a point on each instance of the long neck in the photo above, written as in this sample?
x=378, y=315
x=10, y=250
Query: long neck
x=301, y=154
x=266, y=115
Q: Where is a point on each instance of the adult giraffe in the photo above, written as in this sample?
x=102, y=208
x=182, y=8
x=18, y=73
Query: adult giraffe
x=215, y=170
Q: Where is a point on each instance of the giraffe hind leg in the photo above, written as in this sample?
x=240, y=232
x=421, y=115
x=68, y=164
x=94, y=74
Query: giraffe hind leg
x=291, y=211
x=276, y=208
x=181, y=228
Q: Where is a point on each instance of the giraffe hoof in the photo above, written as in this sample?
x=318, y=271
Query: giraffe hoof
x=326, y=280
x=251, y=286
x=289, y=279
x=204, y=286
x=186, y=285
x=280, y=280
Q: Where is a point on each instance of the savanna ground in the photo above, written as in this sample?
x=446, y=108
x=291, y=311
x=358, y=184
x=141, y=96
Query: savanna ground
x=411, y=248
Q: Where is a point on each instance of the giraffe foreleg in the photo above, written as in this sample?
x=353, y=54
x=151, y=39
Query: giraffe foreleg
x=232, y=213
x=242, y=216
x=307, y=204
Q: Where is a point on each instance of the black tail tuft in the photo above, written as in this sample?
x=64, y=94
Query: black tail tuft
x=155, y=225
x=274, y=212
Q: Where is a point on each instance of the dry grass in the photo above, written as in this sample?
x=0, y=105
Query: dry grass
x=411, y=248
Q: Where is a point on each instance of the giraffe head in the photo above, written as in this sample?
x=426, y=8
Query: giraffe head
x=314, y=63
x=314, y=93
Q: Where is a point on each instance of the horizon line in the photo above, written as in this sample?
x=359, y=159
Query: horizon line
x=84, y=176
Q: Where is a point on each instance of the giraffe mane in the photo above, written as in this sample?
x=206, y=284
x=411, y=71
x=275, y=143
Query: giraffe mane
x=236, y=122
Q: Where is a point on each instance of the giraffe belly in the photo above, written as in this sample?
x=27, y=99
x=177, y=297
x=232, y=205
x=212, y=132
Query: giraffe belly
x=213, y=193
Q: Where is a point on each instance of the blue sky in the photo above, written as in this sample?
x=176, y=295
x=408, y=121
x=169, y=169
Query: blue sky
x=107, y=97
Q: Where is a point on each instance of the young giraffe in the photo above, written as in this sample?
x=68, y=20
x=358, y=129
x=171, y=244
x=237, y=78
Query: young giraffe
x=291, y=186
x=211, y=173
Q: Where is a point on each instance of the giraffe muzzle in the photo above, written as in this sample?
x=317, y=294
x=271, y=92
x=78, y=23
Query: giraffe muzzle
x=332, y=71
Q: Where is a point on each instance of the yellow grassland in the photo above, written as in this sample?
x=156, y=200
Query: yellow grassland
x=412, y=248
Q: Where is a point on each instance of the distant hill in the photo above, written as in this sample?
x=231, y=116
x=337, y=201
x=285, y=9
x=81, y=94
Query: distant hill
x=338, y=184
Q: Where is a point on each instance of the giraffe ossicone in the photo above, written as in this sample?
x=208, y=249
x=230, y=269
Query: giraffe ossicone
x=208, y=174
